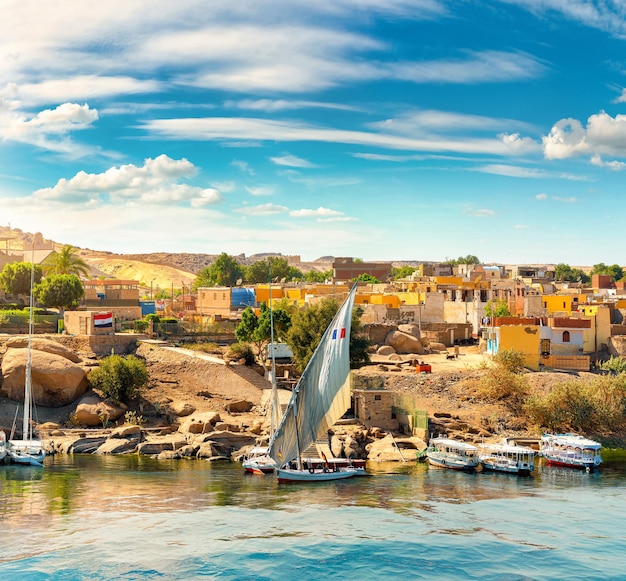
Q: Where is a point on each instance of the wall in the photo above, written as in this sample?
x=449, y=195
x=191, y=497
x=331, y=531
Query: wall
x=214, y=301
x=374, y=408
x=524, y=338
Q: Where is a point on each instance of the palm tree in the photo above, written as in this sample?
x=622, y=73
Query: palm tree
x=66, y=261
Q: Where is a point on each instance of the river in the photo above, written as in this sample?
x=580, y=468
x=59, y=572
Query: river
x=135, y=518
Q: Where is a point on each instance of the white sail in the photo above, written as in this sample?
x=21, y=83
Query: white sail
x=321, y=396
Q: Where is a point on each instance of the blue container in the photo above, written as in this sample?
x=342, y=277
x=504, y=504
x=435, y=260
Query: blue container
x=242, y=297
x=147, y=307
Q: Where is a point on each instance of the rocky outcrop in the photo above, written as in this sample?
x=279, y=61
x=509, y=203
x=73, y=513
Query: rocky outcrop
x=200, y=423
x=45, y=345
x=56, y=381
x=404, y=343
x=94, y=411
x=181, y=408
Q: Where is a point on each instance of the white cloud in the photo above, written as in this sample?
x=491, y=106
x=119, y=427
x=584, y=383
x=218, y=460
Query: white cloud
x=603, y=135
x=153, y=183
x=229, y=128
x=520, y=226
x=77, y=88
x=571, y=200
x=621, y=98
x=614, y=165
x=291, y=161
x=48, y=129
x=260, y=190
x=273, y=105
x=525, y=172
x=541, y=197
x=262, y=210
x=519, y=145
x=320, y=212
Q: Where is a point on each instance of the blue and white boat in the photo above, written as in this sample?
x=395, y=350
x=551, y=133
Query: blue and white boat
x=453, y=454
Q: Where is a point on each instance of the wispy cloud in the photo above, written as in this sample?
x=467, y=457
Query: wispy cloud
x=571, y=200
x=481, y=213
x=291, y=161
x=262, y=210
x=242, y=166
x=614, y=165
x=541, y=197
x=525, y=172
x=521, y=226
x=260, y=190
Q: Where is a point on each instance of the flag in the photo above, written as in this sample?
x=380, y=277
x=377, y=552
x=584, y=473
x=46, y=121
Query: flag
x=325, y=459
x=101, y=320
x=342, y=333
x=280, y=455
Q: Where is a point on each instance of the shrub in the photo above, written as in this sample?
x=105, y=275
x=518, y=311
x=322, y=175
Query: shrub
x=118, y=378
x=614, y=365
x=510, y=359
x=152, y=317
x=208, y=347
x=140, y=325
x=596, y=405
x=241, y=351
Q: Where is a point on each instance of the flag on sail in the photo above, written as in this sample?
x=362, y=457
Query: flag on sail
x=101, y=320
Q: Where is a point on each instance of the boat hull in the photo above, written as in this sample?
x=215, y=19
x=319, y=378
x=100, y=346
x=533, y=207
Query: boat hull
x=26, y=452
x=452, y=464
x=507, y=468
x=570, y=464
x=311, y=475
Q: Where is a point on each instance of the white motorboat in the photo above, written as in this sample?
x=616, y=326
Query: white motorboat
x=506, y=457
x=571, y=451
x=453, y=454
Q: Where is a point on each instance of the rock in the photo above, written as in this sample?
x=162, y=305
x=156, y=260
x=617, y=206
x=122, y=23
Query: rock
x=46, y=345
x=181, y=408
x=437, y=347
x=117, y=446
x=410, y=329
x=336, y=446
x=126, y=432
x=85, y=445
x=93, y=411
x=223, y=426
x=188, y=451
x=168, y=455
x=404, y=343
x=199, y=423
x=48, y=426
x=256, y=427
x=239, y=406
x=385, y=350
x=56, y=381
x=386, y=449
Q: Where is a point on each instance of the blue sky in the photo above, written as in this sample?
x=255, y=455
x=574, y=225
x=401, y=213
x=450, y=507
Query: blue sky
x=396, y=130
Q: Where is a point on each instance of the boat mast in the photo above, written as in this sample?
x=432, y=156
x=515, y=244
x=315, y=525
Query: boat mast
x=26, y=427
x=274, y=406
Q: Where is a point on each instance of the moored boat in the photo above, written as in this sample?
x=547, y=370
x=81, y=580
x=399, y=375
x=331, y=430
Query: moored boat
x=453, y=454
x=505, y=457
x=571, y=451
x=320, y=398
x=258, y=461
x=3, y=446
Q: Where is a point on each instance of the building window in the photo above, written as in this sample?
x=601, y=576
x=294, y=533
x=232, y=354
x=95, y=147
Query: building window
x=565, y=336
x=378, y=397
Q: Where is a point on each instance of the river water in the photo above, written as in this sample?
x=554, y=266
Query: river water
x=135, y=518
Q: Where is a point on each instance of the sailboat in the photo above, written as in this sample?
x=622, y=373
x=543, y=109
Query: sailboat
x=258, y=461
x=320, y=398
x=27, y=451
x=3, y=446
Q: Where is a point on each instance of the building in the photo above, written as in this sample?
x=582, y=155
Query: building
x=345, y=269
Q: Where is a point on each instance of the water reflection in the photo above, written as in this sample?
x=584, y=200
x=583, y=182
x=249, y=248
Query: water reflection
x=70, y=484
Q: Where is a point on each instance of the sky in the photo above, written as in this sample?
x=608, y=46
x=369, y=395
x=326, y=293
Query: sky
x=381, y=130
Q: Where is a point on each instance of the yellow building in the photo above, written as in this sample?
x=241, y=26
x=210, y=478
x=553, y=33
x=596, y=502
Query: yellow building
x=522, y=338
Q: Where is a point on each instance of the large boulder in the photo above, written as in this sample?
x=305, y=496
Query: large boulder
x=404, y=343
x=93, y=411
x=56, y=381
x=410, y=329
x=45, y=345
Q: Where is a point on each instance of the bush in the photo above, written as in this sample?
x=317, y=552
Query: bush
x=140, y=325
x=614, y=365
x=510, y=359
x=596, y=405
x=208, y=347
x=152, y=317
x=504, y=379
x=118, y=378
x=241, y=351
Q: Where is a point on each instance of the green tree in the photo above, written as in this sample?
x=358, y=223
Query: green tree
x=65, y=262
x=118, y=378
x=366, y=277
x=469, y=259
x=274, y=267
x=15, y=277
x=565, y=273
x=318, y=276
x=497, y=308
x=60, y=291
x=308, y=326
x=257, y=330
x=614, y=271
x=402, y=272
x=225, y=271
